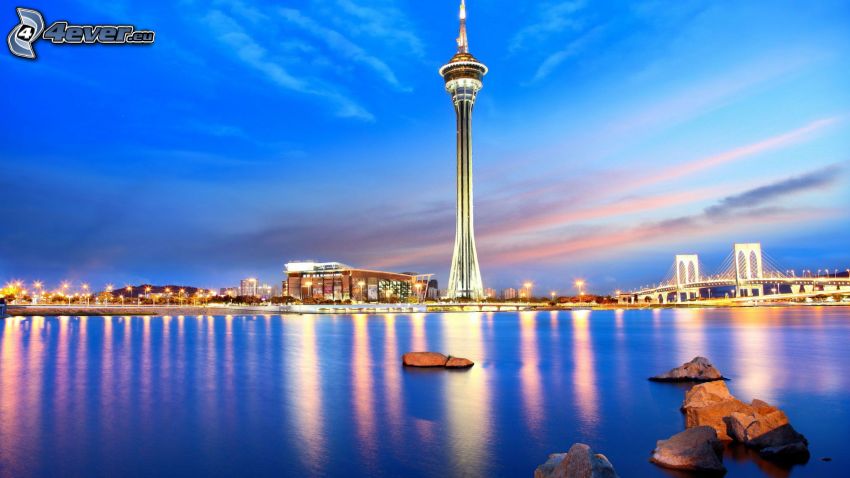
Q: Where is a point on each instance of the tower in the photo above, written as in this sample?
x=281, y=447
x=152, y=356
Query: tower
x=463, y=75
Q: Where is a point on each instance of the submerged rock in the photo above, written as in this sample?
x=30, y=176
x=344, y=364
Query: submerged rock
x=767, y=429
x=758, y=425
x=695, y=449
x=459, y=362
x=699, y=369
x=579, y=462
x=424, y=359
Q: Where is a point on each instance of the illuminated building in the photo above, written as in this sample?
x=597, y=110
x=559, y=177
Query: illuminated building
x=337, y=281
x=248, y=288
x=509, y=294
x=463, y=75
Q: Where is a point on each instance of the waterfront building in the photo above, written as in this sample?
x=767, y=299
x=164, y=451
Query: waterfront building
x=509, y=294
x=248, y=287
x=490, y=293
x=264, y=292
x=463, y=76
x=337, y=281
x=228, y=292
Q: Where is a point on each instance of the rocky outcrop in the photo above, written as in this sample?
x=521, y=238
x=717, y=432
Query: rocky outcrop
x=459, y=362
x=707, y=404
x=758, y=424
x=699, y=369
x=434, y=359
x=424, y=359
x=695, y=449
x=579, y=462
x=766, y=429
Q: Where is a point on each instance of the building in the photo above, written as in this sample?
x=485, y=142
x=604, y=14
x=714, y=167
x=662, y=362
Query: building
x=228, y=292
x=265, y=292
x=462, y=76
x=489, y=293
x=248, y=288
x=509, y=294
x=433, y=291
x=338, y=282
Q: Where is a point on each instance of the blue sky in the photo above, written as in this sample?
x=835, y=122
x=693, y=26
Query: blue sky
x=609, y=136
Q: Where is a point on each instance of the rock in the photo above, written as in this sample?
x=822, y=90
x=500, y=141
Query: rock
x=695, y=449
x=459, y=362
x=766, y=428
x=707, y=404
x=706, y=394
x=424, y=359
x=796, y=452
x=579, y=462
x=712, y=416
x=697, y=370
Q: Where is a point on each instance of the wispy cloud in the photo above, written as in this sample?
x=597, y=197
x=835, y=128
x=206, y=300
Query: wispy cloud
x=381, y=20
x=342, y=45
x=785, y=188
x=763, y=146
x=549, y=18
x=248, y=50
x=760, y=205
x=554, y=60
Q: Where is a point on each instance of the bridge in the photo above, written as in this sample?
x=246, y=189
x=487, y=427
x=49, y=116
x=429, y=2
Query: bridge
x=746, y=274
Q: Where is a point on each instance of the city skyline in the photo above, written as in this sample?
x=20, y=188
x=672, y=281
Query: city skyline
x=611, y=139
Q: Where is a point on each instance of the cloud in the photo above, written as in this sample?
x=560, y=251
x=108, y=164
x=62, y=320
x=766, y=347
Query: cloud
x=342, y=45
x=573, y=48
x=729, y=214
x=384, y=22
x=755, y=197
x=550, y=18
x=250, y=52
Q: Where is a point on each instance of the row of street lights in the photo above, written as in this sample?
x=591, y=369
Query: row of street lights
x=579, y=285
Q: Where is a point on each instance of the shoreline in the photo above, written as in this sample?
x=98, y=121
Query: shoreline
x=119, y=310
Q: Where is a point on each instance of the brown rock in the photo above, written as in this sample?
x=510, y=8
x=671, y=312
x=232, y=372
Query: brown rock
x=459, y=362
x=766, y=428
x=579, y=462
x=695, y=449
x=424, y=359
x=706, y=394
x=697, y=370
x=712, y=415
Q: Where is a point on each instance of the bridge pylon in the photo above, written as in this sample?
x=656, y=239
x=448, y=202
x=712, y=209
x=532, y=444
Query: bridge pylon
x=687, y=272
x=749, y=265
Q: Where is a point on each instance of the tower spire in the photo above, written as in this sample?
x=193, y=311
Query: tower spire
x=462, y=42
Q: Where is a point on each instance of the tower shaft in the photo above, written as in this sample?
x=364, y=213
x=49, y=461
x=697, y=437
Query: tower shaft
x=465, y=275
x=463, y=76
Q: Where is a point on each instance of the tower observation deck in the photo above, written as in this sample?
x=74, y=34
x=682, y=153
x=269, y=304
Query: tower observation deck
x=463, y=75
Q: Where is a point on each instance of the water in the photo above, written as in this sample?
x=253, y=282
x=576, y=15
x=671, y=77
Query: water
x=327, y=396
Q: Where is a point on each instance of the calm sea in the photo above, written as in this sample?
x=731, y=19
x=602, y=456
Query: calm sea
x=327, y=396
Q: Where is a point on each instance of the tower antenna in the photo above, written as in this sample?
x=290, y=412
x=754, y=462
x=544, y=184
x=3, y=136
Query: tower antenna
x=462, y=42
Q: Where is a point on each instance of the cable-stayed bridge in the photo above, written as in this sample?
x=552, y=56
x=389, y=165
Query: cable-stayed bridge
x=747, y=273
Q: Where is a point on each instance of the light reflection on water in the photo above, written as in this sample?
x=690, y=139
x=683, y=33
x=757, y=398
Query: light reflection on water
x=326, y=396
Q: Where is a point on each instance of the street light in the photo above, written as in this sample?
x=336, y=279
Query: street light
x=580, y=287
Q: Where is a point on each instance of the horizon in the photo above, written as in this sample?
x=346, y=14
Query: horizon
x=608, y=138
